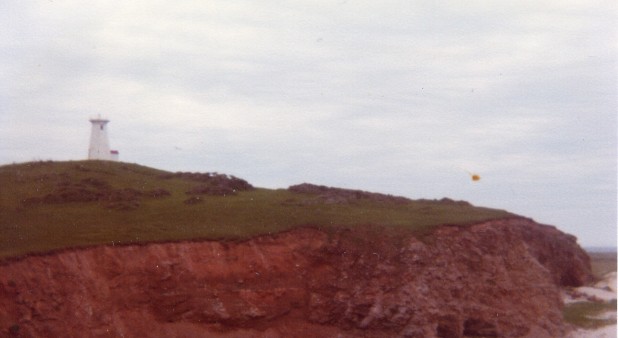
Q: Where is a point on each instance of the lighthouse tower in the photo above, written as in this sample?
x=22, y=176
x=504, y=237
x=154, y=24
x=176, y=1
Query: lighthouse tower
x=99, y=143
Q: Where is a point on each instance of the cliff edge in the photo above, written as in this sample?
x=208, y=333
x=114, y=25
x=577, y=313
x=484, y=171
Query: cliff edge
x=497, y=278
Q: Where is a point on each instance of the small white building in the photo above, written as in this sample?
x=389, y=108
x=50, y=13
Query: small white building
x=99, y=141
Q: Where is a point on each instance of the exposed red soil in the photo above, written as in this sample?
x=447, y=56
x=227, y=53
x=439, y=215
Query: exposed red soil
x=499, y=278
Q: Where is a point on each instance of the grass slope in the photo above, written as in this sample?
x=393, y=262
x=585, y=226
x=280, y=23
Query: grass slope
x=52, y=205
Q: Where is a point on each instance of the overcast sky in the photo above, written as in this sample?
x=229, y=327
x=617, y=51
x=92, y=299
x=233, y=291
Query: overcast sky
x=400, y=97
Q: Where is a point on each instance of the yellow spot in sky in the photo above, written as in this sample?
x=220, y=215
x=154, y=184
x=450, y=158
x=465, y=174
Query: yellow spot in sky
x=473, y=176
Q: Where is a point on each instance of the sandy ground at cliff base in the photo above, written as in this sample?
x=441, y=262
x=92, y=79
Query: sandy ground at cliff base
x=604, y=332
x=602, y=291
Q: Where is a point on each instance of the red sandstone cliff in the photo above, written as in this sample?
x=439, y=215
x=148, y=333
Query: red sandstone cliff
x=494, y=279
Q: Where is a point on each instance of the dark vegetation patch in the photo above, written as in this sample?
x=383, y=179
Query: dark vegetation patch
x=211, y=190
x=193, y=200
x=212, y=183
x=330, y=195
x=92, y=189
x=446, y=201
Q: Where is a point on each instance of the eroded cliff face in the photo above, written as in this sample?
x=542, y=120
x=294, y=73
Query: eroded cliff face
x=495, y=279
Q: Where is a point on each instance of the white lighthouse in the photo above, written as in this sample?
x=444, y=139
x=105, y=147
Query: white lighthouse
x=99, y=142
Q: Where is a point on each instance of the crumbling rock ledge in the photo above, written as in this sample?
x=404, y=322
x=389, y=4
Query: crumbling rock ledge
x=499, y=278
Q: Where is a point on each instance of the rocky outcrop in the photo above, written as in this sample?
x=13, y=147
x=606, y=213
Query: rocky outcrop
x=494, y=279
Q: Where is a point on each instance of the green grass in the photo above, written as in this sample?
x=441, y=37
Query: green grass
x=32, y=228
x=584, y=314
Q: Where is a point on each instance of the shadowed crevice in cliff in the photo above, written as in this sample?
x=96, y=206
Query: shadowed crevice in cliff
x=496, y=278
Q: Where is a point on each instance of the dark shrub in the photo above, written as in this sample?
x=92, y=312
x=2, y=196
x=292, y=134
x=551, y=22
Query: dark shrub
x=193, y=200
x=158, y=193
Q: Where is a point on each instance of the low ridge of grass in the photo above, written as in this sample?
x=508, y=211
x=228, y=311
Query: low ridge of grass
x=53, y=205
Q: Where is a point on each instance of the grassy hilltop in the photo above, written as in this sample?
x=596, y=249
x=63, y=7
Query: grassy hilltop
x=53, y=205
